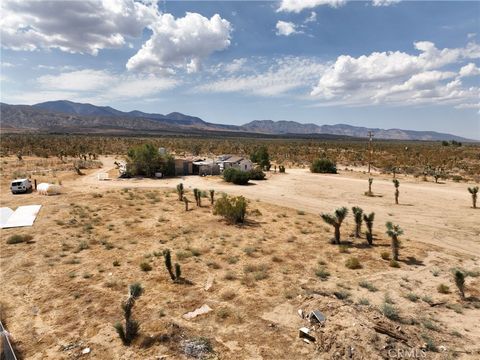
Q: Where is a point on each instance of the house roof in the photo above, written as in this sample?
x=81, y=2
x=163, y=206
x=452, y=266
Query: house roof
x=234, y=159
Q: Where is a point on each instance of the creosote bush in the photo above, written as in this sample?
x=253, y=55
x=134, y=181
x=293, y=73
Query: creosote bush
x=233, y=209
x=256, y=174
x=353, y=263
x=323, y=166
x=236, y=176
x=443, y=289
x=17, y=239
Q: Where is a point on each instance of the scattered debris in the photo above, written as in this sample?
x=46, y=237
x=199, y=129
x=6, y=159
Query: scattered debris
x=204, y=309
x=209, y=283
x=316, y=316
x=300, y=313
x=197, y=348
x=86, y=351
x=304, y=333
x=384, y=330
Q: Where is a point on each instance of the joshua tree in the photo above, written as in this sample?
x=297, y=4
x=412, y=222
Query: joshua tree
x=369, y=193
x=369, y=222
x=336, y=221
x=460, y=282
x=180, y=192
x=394, y=231
x=198, y=195
x=177, y=276
x=212, y=196
x=474, y=192
x=357, y=214
x=396, y=183
x=130, y=331
x=186, y=201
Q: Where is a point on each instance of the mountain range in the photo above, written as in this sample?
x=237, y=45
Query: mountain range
x=68, y=116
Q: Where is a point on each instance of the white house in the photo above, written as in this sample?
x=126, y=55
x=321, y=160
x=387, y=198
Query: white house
x=232, y=161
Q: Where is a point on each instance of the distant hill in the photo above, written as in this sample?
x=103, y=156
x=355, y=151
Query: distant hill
x=68, y=116
x=292, y=127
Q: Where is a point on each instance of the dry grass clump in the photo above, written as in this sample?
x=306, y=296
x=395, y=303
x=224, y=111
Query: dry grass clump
x=353, y=263
x=17, y=239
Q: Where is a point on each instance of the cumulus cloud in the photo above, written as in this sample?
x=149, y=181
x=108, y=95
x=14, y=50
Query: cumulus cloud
x=285, y=28
x=398, y=77
x=276, y=79
x=73, y=26
x=181, y=42
x=469, y=70
x=297, y=6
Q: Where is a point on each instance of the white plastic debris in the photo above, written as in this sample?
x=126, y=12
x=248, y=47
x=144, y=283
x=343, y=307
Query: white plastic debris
x=204, y=309
x=86, y=351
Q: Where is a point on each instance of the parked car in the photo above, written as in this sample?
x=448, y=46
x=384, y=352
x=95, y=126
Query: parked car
x=19, y=186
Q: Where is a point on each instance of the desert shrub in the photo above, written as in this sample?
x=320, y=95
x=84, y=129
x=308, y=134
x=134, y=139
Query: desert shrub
x=341, y=294
x=233, y=209
x=353, y=263
x=443, y=289
x=323, y=166
x=145, y=266
x=281, y=169
x=322, y=273
x=390, y=311
x=256, y=174
x=394, y=263
x=363, y=301
x=17, y=239
x=367, y=285
x=236, y=176
x=385, y=255
x=412, y=297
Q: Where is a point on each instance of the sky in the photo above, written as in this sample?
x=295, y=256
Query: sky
x=381, y=63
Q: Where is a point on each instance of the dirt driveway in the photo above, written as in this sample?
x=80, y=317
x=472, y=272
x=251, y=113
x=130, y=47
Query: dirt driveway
x=437, y=214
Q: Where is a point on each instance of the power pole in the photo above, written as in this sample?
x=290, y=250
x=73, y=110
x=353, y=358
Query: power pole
x=370, y=149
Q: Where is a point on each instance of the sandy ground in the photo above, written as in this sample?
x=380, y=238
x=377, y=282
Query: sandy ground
x=61, y=291
x=437, y=214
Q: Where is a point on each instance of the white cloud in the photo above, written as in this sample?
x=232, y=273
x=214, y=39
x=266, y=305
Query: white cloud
x=279, y=78
x=297, y=6
x=469, y=70
x=384, y=2
x=73, y=26
x=311, y=18
x=182, y=42
x=398, y=77
x=285, y=28
x=96, y=86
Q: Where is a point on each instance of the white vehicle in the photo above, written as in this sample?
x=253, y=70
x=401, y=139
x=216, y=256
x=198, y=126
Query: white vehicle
x=19, y=186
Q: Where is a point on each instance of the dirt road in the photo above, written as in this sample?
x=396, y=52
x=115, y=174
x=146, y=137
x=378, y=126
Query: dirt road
x=437, y=214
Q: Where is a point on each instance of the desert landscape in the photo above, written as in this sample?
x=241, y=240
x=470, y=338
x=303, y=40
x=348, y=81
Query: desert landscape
x=63, y=286
x=239, y=180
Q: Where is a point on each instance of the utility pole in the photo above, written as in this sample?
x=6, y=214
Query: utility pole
x=370, y=149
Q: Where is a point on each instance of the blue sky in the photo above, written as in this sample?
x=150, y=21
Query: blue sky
x=389, y=64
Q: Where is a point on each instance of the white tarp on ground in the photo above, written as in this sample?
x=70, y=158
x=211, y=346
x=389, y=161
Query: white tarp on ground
x=5, y=214
x=23, y=216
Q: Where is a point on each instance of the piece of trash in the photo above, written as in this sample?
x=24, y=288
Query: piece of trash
x=300, y=313
x=204, y=309
x=304, y=333
x=86, y=351
x=316, y=316
x=307, y=341
x=209, y=283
